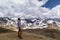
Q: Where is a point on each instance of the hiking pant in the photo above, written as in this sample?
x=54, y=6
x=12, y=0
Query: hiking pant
x=20, y=33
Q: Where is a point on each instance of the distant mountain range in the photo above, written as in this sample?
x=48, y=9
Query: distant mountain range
x=5, y=19
x=43, y=22
x=10, y=19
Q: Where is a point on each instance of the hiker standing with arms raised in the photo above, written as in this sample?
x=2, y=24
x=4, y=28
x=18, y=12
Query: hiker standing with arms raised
x=19, y=28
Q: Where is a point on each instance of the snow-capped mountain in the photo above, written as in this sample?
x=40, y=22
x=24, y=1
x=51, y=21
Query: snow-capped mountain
x=6, y=20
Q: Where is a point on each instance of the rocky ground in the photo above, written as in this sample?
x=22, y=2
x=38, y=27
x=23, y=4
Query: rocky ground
x=50, y=33
x=6, y=34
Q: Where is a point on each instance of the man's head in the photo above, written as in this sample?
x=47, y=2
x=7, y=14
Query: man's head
x=19, y=19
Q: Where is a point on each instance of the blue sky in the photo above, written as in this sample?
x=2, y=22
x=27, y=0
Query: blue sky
x=51, y=3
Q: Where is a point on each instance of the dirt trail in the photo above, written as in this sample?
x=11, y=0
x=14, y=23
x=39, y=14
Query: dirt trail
x=26, y=36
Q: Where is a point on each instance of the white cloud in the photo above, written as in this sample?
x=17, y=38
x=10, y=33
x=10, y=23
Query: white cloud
x=1, y=14
x=14, y=8
x=54, y=12
x=38, y=3
x=23, y=8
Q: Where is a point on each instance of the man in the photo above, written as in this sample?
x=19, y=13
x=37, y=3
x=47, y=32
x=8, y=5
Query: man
x=19, y=28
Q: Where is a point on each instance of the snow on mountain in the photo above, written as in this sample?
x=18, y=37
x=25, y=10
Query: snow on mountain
x=50, y=21
x=57, y=23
